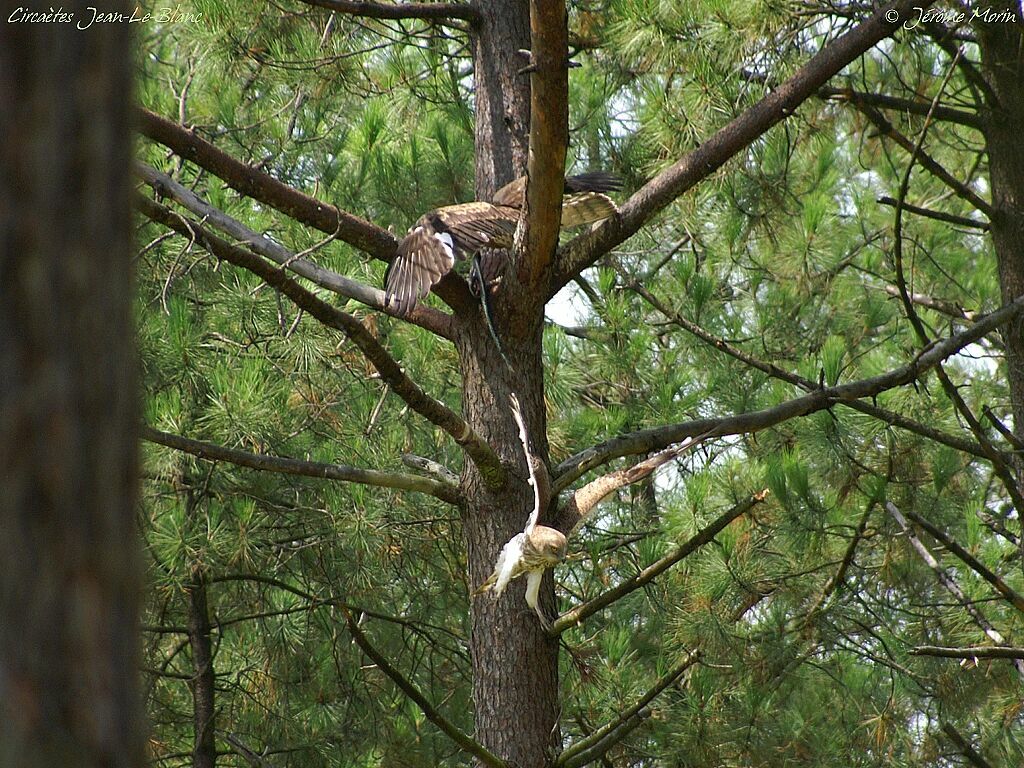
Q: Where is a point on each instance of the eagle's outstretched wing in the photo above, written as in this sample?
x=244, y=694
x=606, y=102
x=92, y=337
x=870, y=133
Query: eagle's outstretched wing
x=429, y=251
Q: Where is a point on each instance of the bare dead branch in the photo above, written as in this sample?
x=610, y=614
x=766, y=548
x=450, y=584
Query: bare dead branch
x=728, y=141
x=438, y=12
x=970, y=652
x=250, y=756
x=431, y=467
x=212, y=452
x=645, y=440
x=581, y=612
x=444, y=725
x=433, y=410
x=423, y=316
x=607, y=736
x=583, y=501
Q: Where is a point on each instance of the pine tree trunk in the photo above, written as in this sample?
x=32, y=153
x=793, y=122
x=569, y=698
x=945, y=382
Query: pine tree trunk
x=515, y=665
x=1003, y=61
x=204, y=749
x=69, y=585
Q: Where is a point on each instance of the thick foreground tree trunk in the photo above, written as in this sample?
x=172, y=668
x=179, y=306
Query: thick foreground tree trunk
x=1003, y=61
x=515, y=666
x=68, y=567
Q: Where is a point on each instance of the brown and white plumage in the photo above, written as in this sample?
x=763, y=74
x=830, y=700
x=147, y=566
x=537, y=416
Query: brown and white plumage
x=583, y=202
x=534, y=550
x=430, y=250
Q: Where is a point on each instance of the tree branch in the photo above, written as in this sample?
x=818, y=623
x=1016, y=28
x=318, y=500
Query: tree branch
x=162, y=184
x=549, y=135
x=949, y=218
x=345, y=473
x=948, y=583
x=585, y=499
x=971, y=652
x=433, y=410
x=654, y=438
x=439, y=12
x=330, y=220
x=998, y=464
x=465, y=742
x=970, y=561
x=889, y=417
x=972, y=755
x=911, y=106
x=727, y=141
x=607, y=736
x=581, y=612
x=961, y=190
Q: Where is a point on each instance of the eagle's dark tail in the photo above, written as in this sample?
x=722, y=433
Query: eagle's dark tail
x=594, y=181
x=477, y=283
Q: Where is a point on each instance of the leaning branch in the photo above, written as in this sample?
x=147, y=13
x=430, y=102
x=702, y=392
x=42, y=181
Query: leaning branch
x=585, y=499
x=343, y=472
x=729, y=140
x=1012, y=596
x=329, y=219
x=948, y=218
x=448, y=728
x=948, y=583
x=973, y=756
x=607, y=736
x=439, y=12
x=578, y=614
x=433, y=410
x=423, y=316
x=655, y=438
x=961, y=190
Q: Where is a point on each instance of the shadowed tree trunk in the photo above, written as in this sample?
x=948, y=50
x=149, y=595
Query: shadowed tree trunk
x=1003, y=61
x=204, y=751
x=69, y=585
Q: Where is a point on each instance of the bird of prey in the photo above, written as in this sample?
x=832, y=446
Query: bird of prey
x=443, y=235
x=534, y=550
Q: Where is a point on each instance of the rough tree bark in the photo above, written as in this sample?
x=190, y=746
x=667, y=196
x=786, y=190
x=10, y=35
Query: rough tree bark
x=1003, y=64
x=515, y=666
x=204, y=749
x=69, y=585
